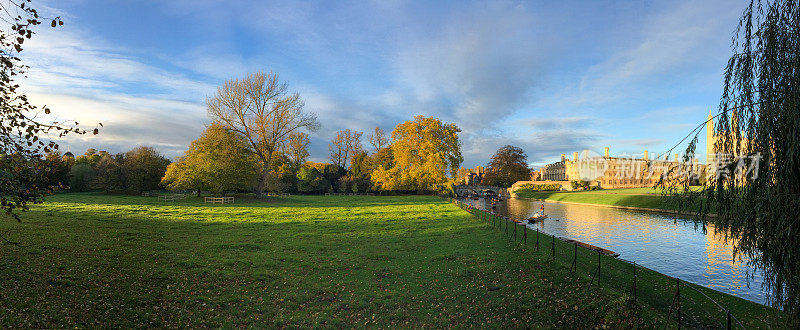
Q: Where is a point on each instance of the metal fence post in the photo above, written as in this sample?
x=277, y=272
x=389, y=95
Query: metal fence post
x=537, y=239
x=525, y=234
x=574, y=258
x=729, y=320
x=515, y=232
x=634, y=281
x=678, y=286
x=598, y=267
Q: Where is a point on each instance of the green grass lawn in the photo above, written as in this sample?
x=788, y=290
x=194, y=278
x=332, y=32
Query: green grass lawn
x=93, y=260
x=629, y=197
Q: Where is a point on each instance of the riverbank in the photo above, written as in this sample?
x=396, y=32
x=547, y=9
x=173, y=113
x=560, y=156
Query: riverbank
x=704, y=306
x=638, y=199
x=93, y=260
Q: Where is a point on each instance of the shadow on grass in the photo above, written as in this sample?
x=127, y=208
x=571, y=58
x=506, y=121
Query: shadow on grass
x=103, y=265
x=247, y=201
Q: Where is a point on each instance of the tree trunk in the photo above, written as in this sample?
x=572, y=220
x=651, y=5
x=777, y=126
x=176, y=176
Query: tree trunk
x=198, y=192
x=262, y=182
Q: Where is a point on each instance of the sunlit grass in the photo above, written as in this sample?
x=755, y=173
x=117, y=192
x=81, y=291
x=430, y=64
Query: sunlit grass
x=121, y=261
x=647, y=198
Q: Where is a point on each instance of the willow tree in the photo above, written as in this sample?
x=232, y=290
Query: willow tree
x=261, y=109
x=753, y=182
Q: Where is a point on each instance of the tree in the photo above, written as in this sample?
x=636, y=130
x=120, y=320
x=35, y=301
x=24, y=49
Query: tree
x=361, y=166
x=80, y=177
x=55, y=170
x=425, y=151
x=219, y=160
x=108, y=174
x=508, y=165
x=143, y=167
x=310, y=180
x=338, y=149
x=345, y=145
x=297, y=149
x=378, y=139
x=260, y=109
x=755, y=190
x=22, y=148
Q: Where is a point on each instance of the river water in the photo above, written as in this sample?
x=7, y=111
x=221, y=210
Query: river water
x=673, y=245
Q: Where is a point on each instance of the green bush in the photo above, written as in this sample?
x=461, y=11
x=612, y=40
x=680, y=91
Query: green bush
x=539, y=187
x=580, y=185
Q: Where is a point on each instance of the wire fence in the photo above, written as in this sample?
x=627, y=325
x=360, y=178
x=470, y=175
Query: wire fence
x=686, y=304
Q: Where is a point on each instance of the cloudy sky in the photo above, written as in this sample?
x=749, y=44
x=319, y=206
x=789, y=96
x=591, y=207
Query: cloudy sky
x=551, y=77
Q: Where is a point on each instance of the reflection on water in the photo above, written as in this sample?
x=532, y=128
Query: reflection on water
x=668, y=244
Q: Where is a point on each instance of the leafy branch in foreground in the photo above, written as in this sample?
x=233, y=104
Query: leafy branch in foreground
x=23, y=134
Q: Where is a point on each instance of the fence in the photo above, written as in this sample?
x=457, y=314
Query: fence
x=277, y=194
x=171, y=198
x=687, y=304
x=349, y=194
x=221, y=200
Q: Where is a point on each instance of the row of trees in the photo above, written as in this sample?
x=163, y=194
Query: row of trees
x=135, y=171
x=259, y=140
x=418, y=158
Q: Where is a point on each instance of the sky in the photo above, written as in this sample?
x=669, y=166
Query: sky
x=551, y=77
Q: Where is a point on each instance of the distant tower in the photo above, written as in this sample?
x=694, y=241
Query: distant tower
x=710, y=138
x=605, y=151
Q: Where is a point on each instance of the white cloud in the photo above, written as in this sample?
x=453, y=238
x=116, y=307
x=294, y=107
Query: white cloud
x=478, y=68
x=667, y=50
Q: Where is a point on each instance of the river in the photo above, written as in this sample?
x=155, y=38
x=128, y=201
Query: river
x=673, y=245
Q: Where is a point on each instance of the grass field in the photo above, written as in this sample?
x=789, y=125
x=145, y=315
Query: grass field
x=92, y=260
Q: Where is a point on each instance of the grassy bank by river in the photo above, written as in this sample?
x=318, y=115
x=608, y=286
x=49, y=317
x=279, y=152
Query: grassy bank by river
x=646, y=198
x=91, y=260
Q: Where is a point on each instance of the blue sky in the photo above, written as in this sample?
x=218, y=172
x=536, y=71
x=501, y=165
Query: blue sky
x=550, y=77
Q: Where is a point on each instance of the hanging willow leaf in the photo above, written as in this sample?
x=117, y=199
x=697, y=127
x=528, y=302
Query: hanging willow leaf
x=758, y=123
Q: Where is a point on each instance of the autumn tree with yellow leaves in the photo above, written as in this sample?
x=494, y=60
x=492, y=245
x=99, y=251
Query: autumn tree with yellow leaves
x=218, y=161
x=425, y=151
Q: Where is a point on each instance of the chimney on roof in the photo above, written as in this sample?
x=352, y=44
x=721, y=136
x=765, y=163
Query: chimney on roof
x=575, y=156
x=646, y=155
x=563, y=157
x=606, y=152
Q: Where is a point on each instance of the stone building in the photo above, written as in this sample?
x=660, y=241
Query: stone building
x=473, y=176
x=614, y=172
x=555, y=171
